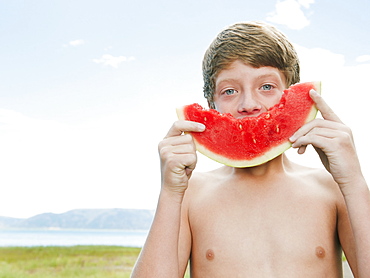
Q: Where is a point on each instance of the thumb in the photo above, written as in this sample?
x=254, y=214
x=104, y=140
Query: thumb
x=326, y=112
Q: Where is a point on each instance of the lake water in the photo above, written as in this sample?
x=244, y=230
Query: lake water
x=72, y=237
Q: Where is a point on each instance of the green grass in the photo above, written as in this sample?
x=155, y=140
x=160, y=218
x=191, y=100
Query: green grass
x=76, y=261
x=63, y=262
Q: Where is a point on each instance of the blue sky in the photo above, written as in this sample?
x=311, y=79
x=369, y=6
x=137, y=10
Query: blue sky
x=89, y=88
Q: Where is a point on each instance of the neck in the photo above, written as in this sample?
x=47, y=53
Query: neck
x=277, y=165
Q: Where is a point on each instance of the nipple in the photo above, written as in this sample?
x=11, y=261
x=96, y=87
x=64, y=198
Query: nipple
x=210, y=255
x=320, y=252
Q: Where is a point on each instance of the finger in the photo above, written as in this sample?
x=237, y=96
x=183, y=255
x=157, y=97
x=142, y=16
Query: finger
x=302, y=149
x=184, y=126
x=184, y=149
x=316, y=136
x=178, y=140
x=326, y=112
x=176, y=145
x=183, y=162
x=178, y=157
x=317, y=125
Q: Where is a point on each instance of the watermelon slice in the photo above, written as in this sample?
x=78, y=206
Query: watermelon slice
x=252, y=141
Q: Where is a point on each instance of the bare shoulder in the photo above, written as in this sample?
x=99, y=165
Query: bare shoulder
x=317, y=179
x=320, y=175
x=199, y=178
x=202, y=183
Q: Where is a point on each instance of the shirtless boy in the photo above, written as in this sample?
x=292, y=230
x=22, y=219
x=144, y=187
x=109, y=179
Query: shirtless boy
x=278, y=219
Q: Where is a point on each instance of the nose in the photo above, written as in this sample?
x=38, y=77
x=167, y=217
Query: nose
x=249, y=105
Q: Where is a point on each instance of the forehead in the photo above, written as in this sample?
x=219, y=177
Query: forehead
x=238, y=70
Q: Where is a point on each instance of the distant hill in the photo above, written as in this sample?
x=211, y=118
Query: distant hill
x=127, y=219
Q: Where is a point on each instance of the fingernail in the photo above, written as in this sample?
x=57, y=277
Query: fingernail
x=201, y=127
x=314, y=93
x=292, y=139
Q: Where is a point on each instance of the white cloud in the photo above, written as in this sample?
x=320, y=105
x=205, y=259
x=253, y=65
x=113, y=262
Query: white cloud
x=291, y=14
x=74, y=43
x=342, y=88
x=306, y=3
x=49, y=162
x=319, y=63
x=109, y=60
x=363, y=58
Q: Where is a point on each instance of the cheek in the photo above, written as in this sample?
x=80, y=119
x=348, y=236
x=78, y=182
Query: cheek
x=219, y=108
x=277, y=99
x=274, y=100
x=223, y=107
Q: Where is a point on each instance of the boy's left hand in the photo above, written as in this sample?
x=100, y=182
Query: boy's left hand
x=332, y=140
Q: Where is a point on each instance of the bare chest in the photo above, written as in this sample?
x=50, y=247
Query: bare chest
x=262, y=232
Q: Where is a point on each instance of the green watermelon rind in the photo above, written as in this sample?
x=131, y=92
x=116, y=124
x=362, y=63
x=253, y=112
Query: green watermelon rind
x=269, y=155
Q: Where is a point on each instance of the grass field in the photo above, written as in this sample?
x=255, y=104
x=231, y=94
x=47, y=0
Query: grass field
x=71, y=262
x=76, y=261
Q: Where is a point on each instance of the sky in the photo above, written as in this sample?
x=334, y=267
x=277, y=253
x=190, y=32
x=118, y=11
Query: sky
x=89, y=88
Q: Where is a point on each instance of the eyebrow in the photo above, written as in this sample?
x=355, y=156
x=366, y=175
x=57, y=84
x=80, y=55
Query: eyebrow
x=227, y=80
x=268, y=75
x=263, y=76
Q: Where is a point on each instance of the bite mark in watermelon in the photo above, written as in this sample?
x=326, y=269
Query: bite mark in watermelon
x=252, y=141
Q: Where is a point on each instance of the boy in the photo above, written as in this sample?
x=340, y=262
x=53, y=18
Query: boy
x=277, y=219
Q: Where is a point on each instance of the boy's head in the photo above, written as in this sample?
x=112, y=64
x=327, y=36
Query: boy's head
x=254, y=43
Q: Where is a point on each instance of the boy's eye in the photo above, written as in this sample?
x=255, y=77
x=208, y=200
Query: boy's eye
x=266, y=87
x=229, y=92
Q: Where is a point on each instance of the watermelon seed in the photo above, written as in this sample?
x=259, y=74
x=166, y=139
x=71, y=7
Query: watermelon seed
x=205, y=119
x=267, y=115
x=277, y=129
x=240, y=126
x=254, y=140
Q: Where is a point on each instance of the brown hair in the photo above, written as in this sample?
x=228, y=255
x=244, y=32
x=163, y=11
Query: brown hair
x=255, y=43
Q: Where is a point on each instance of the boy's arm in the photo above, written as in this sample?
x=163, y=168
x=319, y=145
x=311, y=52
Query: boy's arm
x=334, y=143
x=159, y=256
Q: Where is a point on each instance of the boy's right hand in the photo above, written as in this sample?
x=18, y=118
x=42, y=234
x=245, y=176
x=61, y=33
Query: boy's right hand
x=178, y=156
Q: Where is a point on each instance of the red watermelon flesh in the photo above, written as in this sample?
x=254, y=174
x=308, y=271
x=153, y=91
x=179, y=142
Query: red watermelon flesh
x=252, y=141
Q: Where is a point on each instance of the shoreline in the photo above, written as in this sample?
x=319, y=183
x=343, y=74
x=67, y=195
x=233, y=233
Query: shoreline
x=72, y=237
